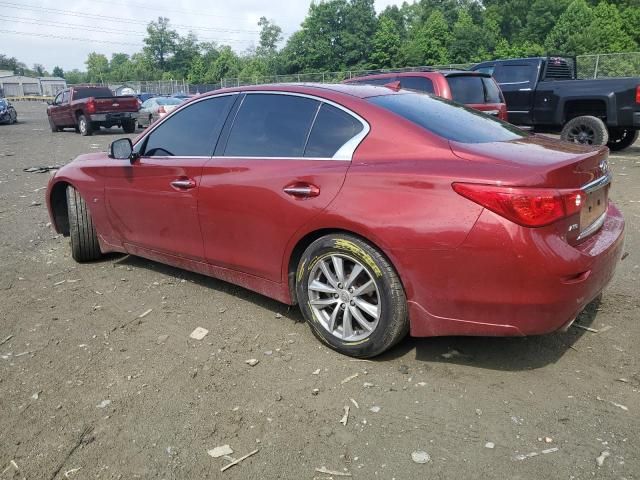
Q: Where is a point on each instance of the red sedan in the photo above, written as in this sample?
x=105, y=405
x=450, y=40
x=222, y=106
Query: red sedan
x=379, y=212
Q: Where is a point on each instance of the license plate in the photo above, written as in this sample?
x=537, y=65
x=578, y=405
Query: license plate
x=595, y=204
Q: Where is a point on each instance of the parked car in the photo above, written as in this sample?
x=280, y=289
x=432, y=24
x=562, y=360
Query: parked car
x=474, y=89
x=544, y=93
x=366, y=206
x=89, y=108
x=155, y=108
x=8, y=113
x=144, y=96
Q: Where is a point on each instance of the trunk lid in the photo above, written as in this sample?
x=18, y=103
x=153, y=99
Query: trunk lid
x=557, y=164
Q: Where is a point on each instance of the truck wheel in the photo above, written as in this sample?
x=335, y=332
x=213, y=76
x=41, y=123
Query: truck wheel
x=84, y=125
x=586, y=130
x=53, y=126
x=84, y=241
x=129, y=126
x=351, y=296
x=621, y=138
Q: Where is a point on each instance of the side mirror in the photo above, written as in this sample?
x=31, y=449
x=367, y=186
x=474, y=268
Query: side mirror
x=49, y=102
x=122, y=149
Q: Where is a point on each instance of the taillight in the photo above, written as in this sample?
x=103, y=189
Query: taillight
x=638, y=94
x=161, y=109
x=503, y=113
x=91, y=105
x=529, y=207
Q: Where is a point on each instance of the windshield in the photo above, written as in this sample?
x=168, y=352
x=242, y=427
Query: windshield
x=168, y=101
x=447, y=119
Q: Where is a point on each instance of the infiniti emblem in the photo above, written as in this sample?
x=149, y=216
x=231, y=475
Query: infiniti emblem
x=604, y=166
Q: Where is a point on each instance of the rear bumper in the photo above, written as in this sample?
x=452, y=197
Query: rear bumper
x=507, y=280
x=112, y=117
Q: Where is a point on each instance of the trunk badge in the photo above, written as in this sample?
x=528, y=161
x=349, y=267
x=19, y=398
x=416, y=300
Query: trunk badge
x=604, y=166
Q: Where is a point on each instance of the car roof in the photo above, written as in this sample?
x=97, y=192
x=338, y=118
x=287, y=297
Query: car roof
x=319, y=89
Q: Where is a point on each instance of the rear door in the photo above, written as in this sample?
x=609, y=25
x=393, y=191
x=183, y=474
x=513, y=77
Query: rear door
x=517, y=80
x=283, y=160
x=153, y=203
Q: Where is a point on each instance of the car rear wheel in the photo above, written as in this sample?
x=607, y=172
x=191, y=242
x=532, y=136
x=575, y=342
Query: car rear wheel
x=586, y=130
x=621, y=138
x=84, y=126
x=351, y=296
x=129, y=126
x=84, y=241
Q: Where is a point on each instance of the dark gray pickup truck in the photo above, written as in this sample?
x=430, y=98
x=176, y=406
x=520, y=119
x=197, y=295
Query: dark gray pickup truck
x=544, y=93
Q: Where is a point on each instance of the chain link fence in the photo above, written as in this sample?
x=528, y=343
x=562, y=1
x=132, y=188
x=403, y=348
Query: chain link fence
x=602, y=65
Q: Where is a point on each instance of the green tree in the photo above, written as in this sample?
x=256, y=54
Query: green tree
x=387, y=45
x=270, y=36
x=568, y=33
x=541, y=18
x=606, y=33
x=97, y=67
x=356, y=34
x=57, y=72
x=160, y=42
x=428, y=42
x=185, y=50
x=468, y=40
x=226, y=65
x=39, y=69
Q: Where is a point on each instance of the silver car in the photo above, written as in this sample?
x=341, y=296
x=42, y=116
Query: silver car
x=155, y=108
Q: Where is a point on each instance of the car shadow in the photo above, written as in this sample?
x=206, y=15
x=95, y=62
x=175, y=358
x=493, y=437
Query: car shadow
x=497, y=353
x=290, y=312
x=491, y=353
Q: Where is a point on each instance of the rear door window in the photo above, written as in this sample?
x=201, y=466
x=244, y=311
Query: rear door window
x=420, y=84
x=190, y=132
x=514, y=73
x=271, y=125
x=466, y=89
x=331, y=130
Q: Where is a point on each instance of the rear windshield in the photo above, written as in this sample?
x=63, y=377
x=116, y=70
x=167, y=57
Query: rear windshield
x=466, y=89
x=447, y=119
x=92, y=92
x=420, y=84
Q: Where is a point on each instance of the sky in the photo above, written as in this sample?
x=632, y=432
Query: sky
x=59, y=33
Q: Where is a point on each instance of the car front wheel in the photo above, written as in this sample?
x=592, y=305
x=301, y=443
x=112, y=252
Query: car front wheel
x=351, y=296
x=84, y=241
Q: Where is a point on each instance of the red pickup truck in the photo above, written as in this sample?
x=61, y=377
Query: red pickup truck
x=89, y=108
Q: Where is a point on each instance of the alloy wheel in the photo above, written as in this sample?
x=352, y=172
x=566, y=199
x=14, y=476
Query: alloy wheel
x=344, y=297
x=583, y=134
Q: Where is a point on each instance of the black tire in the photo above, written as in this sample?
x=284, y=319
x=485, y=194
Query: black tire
x=585, y=130
x=52, y=125
x=129, y=126
x=84, y=126
x=84, y=241
x=392, y=323
x=621, y=138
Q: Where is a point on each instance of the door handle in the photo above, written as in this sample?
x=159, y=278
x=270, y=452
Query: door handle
x=183, y=183
x=302, y=190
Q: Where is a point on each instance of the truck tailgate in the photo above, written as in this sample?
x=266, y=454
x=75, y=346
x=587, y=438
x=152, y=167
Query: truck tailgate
x=116, y=104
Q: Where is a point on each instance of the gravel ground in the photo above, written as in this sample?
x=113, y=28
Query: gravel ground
x=92, y=388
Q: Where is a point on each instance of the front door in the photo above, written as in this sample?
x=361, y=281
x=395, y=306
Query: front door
x=153, y=203
x=283, y=160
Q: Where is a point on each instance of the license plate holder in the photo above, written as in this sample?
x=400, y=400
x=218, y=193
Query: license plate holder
x=595, y=205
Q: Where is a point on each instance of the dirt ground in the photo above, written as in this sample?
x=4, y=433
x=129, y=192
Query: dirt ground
x=88, y=389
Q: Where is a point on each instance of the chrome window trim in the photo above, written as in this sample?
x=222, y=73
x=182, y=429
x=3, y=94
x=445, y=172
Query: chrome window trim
x=597, y=183
x=344, y=153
